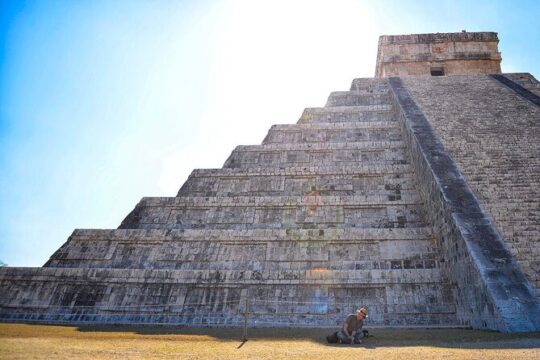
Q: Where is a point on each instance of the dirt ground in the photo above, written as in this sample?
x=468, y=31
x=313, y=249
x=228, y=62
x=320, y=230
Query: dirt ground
x=23, y=341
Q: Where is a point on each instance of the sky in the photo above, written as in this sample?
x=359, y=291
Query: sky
x=104, y=102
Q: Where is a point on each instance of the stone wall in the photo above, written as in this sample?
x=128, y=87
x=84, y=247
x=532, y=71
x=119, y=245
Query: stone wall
x=271, y=249
x=218, y=297
x=330, y=180
x=455, y=53
x=323, y=154
x=367, y=211
x=364, y=113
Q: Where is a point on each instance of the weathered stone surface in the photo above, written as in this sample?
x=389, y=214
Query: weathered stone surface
x=333, y=180
x=493, y=290
x=332, y=133
x=452, y=53
x=356, y=204
x=312, y=297
x=242, y=212
x=526, y=80
x=521, y=86
x=348, y=114
x=322, y=217
x=336, y=249
x=497, y=151
x=355, y=98
x=322, y=154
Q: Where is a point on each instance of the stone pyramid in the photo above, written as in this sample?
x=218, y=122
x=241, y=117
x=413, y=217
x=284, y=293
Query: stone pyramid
x=350, y=206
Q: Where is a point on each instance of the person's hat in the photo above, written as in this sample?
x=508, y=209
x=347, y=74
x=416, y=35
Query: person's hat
x=363, y=310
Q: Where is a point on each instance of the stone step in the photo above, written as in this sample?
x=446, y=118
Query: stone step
x=312, y=170
x=370, y=85
x=222, y=277
x=439, y=316
x=312, y=297
x=337, y=126
x=355, y=98
x=333, y=132
x=255, y=257
x=356, y=145
x=367, y=200
x=239, y=184
x=389, y=152
x=312, y=210
x=383, y=124
x=339, y=114
x=158, y=236
x=335, y=249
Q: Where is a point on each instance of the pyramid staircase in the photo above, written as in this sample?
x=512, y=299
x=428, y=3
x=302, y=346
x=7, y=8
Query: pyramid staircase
x=321, y=218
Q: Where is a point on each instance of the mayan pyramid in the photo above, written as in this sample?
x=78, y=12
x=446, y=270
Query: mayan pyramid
x=414, y=193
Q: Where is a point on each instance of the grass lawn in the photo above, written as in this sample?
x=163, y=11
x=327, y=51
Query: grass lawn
x=22, y=341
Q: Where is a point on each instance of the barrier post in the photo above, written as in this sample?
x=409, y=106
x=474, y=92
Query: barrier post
x=244, y=337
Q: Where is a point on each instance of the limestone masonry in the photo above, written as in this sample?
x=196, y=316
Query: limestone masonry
x=438, y=54
x=414, y=193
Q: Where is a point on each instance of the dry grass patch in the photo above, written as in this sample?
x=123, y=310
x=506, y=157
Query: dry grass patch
x=22, y=341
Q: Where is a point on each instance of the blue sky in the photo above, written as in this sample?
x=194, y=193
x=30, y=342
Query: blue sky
x=103, y=102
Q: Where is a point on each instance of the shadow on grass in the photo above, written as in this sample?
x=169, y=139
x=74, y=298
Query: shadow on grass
x=381, y=338
x=449, y=338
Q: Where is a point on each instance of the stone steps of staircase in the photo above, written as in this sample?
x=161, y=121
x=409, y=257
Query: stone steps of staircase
x=333, y=132
x=339, y=114
x=525, y=80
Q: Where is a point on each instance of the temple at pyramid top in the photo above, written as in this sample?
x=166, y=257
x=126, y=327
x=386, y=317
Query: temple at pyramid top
x=439, y=54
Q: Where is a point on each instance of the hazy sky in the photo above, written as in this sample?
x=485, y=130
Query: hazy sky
x=103, y=102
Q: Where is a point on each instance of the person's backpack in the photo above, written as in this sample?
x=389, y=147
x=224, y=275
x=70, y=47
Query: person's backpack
x=332, y=338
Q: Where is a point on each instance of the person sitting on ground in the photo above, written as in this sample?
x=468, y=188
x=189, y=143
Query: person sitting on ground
x=351, y=331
